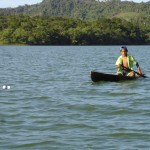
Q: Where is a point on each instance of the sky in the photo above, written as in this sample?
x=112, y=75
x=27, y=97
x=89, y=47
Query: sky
x=15, y=3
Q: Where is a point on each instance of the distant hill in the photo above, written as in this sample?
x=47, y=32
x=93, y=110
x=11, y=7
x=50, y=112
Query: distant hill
x=84, y=9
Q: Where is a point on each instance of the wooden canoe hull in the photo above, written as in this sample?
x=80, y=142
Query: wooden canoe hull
x=98, y=76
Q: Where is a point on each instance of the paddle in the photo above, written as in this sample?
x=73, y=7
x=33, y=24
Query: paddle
x=128, y=69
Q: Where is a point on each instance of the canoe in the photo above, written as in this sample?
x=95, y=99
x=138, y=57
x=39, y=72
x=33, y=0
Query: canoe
x=98, y=76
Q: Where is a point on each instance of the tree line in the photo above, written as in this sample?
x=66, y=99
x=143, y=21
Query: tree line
x=44, y=30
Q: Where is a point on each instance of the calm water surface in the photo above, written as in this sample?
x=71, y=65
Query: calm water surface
x=53, y=105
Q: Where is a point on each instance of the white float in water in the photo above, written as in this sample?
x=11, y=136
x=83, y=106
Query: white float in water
x=6, y=87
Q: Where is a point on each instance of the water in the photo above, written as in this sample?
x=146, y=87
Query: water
x=53, y=105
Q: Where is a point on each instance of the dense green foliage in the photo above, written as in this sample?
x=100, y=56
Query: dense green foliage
x=76, y=22
x=23, y=29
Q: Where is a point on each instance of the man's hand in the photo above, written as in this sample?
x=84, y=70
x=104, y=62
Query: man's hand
x=119, y=66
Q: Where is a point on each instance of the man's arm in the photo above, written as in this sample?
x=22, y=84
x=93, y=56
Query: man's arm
x=119, y=62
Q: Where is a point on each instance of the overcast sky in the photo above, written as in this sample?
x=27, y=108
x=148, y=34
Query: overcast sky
x=15, y=3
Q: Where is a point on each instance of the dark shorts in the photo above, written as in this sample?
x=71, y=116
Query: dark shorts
x=125, y=72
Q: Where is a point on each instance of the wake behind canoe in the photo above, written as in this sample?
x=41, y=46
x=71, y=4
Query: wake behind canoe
x=98, y=76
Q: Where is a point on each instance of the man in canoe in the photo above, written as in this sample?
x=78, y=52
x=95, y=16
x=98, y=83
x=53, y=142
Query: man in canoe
x=125, y=64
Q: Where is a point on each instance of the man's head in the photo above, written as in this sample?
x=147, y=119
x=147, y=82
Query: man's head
x=124, y=51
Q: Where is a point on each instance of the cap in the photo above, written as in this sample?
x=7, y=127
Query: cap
x=123, y=47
